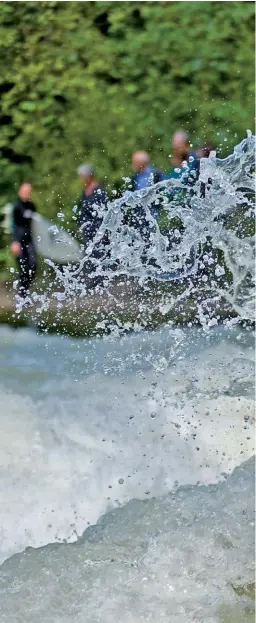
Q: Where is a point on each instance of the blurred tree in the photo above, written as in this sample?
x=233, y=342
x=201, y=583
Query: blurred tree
x=93, y=81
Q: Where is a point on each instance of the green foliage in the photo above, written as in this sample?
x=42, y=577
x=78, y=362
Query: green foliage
x=92, y=81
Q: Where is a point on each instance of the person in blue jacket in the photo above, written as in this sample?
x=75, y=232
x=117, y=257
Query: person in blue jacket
x=144, y=174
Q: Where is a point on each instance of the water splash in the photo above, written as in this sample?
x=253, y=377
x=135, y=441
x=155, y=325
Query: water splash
x=202, y=243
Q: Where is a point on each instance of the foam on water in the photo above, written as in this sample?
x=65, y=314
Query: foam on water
x=68, y=436
x=185, y=557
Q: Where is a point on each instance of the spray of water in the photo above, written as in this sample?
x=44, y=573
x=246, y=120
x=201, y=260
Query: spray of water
x=201, y=244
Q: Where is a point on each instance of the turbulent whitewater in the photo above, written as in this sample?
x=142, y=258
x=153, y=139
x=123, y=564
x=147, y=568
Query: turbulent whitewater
x=89, y=427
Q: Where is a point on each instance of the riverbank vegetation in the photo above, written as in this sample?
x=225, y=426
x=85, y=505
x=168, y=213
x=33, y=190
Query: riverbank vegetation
x=93, y=81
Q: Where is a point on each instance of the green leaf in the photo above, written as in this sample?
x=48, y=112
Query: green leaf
x=30, y=106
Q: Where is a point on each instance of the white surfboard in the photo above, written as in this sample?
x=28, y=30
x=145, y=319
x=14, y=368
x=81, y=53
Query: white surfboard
x=6, y=222
x=53, y=242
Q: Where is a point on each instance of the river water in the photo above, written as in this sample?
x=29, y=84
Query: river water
x=159, y=454
x=127, y=470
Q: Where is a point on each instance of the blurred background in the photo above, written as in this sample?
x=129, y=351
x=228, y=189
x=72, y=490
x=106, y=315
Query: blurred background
x=94, y=81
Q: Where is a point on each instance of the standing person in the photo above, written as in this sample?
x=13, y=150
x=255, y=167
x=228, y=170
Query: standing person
x=185, y=168
x=184, y=162
x=92, y=205
x=22, y=246
x=144, y=174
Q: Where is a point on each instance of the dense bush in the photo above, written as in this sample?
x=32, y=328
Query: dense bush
x=92, y=81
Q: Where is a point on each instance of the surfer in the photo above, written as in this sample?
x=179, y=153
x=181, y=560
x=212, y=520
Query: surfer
x=22, y=246
x=92, y=206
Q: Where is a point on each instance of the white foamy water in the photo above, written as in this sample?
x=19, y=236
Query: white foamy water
x=82, y=434
x=185, y=557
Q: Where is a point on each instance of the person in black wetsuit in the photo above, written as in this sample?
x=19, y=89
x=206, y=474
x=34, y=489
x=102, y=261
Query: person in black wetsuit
x=22, y=246
x=93, y=203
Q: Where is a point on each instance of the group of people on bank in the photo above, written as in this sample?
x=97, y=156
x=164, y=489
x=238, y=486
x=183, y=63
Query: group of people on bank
x=184, y=164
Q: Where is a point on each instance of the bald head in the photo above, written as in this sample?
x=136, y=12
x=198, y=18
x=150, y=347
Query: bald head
x=180, y=144
x=25, y=191
x=140, y=160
